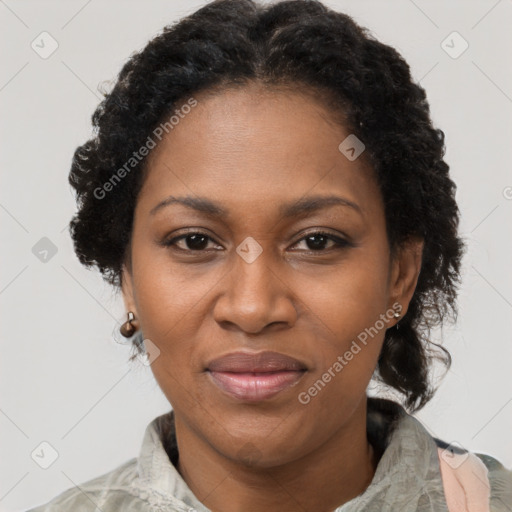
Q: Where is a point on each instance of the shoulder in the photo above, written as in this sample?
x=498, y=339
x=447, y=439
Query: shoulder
x=108, y=492
x=500, y=478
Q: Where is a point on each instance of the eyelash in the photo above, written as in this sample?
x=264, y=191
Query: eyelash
x=339, y=243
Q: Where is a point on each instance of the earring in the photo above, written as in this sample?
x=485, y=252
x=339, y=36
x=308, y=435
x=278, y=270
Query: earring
x=127, y=329
x=396, y=314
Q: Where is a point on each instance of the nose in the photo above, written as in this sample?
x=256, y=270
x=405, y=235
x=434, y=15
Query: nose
x=255, y=297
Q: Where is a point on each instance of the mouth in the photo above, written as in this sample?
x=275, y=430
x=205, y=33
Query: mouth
x=255, y=377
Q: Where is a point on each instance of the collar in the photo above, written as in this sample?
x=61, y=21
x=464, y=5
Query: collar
x=407, y=475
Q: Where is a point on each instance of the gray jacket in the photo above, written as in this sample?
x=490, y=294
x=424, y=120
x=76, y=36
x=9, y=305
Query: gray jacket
x=407, y=478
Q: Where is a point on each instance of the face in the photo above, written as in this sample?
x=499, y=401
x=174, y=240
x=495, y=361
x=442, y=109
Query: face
x=250, y=274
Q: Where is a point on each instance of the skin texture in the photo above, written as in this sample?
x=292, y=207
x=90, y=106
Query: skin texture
x=251, y=150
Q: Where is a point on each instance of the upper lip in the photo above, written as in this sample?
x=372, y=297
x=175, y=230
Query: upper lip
x=255, y=362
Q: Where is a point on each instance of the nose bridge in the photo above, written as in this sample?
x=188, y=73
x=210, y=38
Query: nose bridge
x=254, y=296
x=252, y=276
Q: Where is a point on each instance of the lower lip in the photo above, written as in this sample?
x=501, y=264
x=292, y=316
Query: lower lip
x=255, y=387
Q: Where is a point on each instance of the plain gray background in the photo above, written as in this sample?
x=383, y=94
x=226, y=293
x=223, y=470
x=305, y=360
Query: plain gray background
x=66, y=381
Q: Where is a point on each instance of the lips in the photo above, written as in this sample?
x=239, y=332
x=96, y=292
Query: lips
x=255, y=377
x=246, y=362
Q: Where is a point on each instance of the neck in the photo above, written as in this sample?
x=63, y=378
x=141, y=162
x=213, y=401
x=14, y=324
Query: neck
x=336, y=472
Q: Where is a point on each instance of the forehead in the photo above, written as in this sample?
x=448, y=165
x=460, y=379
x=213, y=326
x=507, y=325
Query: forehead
x=249, y=147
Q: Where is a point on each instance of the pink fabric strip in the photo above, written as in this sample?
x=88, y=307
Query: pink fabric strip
x=465, y=481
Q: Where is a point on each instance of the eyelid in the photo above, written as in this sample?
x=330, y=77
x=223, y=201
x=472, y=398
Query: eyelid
x=321, y=231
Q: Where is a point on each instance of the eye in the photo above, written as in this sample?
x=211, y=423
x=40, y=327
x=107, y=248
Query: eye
x=317, y=241
x=192, y=241
x=196, y=241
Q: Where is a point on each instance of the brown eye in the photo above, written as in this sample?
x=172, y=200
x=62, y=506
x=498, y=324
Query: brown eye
x=195, y=241
x=319, y=242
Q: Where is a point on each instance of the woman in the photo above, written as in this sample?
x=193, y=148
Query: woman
x=266, y=188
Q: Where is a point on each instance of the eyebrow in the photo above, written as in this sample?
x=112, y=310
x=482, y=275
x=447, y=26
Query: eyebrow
x=297, y=208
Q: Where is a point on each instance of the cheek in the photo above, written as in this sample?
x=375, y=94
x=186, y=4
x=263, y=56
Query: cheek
x=349, y=341
x=169, y=307
x=346, y=311
x=172, y=301
x=348, y=297
x=169, y=295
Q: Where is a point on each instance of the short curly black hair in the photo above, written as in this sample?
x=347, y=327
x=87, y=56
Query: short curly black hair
x=300, y=43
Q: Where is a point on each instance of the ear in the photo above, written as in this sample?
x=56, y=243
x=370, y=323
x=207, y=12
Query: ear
x=405, y=270
x=127, y=290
